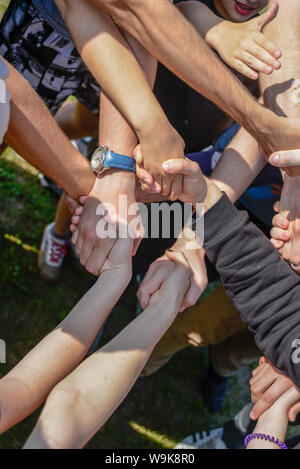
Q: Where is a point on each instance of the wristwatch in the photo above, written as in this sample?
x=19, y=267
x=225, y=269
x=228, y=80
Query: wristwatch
x=104, y=159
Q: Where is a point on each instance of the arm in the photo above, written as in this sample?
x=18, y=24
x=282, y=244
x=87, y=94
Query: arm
x=274, y=421
x=168, y=36
x=80, y=405
x=241, y=162
x=241, y=45
x=262, y=287
x=111, y=61
x=24, y=388
x=34, y=135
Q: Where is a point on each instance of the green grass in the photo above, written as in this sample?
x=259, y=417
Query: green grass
x=161, y=409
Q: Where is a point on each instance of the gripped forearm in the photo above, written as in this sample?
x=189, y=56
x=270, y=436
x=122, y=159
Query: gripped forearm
x=169, y=37
x=241, y=162
x=114, y=369
x=34, y=135
x=25, y=387
x=113, y=64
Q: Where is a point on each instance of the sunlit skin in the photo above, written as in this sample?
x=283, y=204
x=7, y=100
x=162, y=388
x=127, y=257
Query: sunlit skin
x=236, y=11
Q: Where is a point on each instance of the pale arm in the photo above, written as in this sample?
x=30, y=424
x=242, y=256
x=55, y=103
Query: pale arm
x=79, y=406
x=25, y=388
x=169, y=37
x=240, y=164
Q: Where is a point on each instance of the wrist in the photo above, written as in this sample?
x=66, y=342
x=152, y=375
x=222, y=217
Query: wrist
x=157, y=128
x=119, y=178
x=213, y=194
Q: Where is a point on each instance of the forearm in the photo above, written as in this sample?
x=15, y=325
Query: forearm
x=263, y=288
x=76, y=410
x=168, y=36
x=111, y=61
x=28, y=384
x=240, y=164
x=34, y=135
x=273, y=422
x=200, y=16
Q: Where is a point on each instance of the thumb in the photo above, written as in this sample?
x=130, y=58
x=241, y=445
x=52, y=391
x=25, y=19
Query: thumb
x=294, y=411
x=137, y=155
x=268, y=16
x=285, y=158
x=182, y=166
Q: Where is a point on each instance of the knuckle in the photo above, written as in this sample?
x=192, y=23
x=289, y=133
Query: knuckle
x=268, y=397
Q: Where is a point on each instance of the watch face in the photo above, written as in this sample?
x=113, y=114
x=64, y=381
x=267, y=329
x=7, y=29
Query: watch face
x=98, y=159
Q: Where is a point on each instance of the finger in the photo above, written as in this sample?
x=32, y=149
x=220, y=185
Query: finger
x=137, y=155
x=278, y=245
x=176, y=189
x=276, y=206
x=75, y=234
x=75, y=220
x=271, y=13
x=151, y=286
x=262, y=381
x=259, y=50
x=144, y=176
x=192, y=296
x=279, y=387
x=242, y=68
x=83, y=199
x=72, y=203
x=280, y=221
x=280, y=235
x=294, y=411
x=182, y=166
x=79, y=210
x=98, y=255
x=166, y=186
x=255, y=63
x=285, y=158
x=269, y=46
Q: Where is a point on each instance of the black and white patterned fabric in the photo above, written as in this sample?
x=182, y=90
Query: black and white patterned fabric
x=46, y=59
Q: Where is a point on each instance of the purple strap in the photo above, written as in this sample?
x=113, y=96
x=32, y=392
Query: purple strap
x=262, y=436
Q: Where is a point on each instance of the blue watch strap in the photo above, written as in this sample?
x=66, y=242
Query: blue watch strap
x=114, y=160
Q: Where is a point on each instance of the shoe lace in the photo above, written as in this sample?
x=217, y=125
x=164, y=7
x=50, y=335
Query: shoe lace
x=57, y=251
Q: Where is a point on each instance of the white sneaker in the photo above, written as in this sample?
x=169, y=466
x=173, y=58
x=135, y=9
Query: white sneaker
x=212, y=439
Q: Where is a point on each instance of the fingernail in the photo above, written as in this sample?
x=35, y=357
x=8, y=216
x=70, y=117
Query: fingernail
x=275, y=159
x=276, y=64
x=147, y=181
x=167, y=166
x=252, y=415
x=269, y=69
x=277, y=54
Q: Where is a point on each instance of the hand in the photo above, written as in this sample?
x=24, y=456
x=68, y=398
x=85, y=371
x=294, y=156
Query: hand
x=174, y=286
x=288, y=160
x=160, y=270
x=280, y=135
x=274, y=421
x=154, y=149
x=267, y=385
x=119, y=258
x=109, y=186
x=286, y=231
x=244, y=47
x=194, y=186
